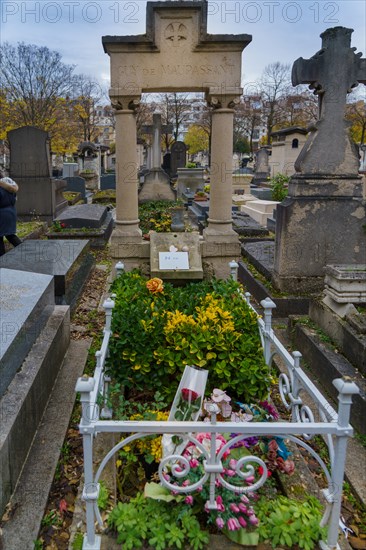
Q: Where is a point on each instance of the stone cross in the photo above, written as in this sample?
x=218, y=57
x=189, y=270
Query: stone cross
x=157, y=129
x=332, y=73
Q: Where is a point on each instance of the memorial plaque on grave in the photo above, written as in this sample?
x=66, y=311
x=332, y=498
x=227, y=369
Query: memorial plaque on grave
x=176, y=256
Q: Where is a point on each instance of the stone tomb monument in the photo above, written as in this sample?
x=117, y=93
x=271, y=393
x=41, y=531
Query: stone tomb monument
x=261, y=170
x=176, y=54
x=34, y=337
x=76, y=184
x=178, y=157
x=30, y=166
x=176, y=256
x=156, y=184
x=96, y=218
x=68, y=261
x=322, y=220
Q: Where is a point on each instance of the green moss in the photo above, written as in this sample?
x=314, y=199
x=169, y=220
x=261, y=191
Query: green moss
x=26, y=228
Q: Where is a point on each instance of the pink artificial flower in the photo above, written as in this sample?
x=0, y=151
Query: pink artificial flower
x=233, y=463
x=233, y=524
x=250, y=479
x=186, y=482
x=234, y=508
x=220, y=522
x=219, y=395
x=219, y=499
x=166, y=476
x=189, y=500
x=230, y=473
x=244, y=499
x=194, y=463
x=250, y=512
x=242, y=508
x=289, y=467
x=253, y=520
x=242, y=521
x=272, y=445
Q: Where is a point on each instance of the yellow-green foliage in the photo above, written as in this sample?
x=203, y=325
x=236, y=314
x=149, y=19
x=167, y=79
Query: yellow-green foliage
x=204, y=324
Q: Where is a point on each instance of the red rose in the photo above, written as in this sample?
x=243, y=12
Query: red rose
x=189, y=395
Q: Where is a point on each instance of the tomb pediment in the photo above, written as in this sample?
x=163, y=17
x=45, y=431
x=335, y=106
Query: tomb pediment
x=175, y=54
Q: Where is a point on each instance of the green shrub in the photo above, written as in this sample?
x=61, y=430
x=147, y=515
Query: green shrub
x=288, y=522
x=155, y=215
x=156, y=523
x=279, y=189
x=205, y=324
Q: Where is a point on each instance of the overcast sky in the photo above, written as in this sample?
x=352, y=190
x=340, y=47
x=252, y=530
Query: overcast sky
x=282, y=30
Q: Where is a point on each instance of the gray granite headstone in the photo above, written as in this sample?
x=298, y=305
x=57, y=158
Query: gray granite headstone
x=29, y=153
x=178, y=157
x=76, y=184
x=26, y=302
x=68, y=261
x=30, y=166
x=107, y=181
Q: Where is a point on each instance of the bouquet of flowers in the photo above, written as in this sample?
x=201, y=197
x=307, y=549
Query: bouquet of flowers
x=186, y=406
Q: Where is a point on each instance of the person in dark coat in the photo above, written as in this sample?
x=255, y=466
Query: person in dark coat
x=8, y=214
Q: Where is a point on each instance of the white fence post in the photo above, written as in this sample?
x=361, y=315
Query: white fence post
x=120, y=267
x=267, y=305
x=346, y=389
x=234, y=266
x=85, y=386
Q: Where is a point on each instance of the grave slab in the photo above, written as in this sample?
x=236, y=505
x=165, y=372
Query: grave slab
x=183, y=242
x=25, y=304
x=68, y=261
x=83, y=215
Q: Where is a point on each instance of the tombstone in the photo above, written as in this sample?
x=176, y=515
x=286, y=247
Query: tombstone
x=185, y=58
x=107, y=181
x=70, y=169
x=322, y=220
x=191, y=178
x=261, y=170
x=156, y=184
x=30, y=166
x=167, y=161
x=76, y=184
x=68, y=261
x=96, y=218
x=24, y=311
x=178, y=158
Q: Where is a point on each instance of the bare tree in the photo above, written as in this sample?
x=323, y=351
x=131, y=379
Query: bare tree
x=356, y=115
x=274, y=86
x=175, y=110
x=33, y=78
x=86, y=96
x=248, y=116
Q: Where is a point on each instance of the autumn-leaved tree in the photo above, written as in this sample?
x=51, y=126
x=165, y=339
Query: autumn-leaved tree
x=356, y=115
x=196, y=139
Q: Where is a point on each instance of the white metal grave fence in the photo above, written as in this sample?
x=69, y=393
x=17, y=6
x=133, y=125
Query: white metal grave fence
x=333, y=426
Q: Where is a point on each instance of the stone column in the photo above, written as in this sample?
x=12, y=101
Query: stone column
x=127, y=221
x=220, y=216
x=221, y=242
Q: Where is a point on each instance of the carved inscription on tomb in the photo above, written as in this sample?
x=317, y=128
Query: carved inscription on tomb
x=177, y=70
